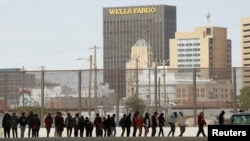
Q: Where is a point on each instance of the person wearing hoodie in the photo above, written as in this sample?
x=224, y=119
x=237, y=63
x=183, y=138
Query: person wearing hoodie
x=13, y=123
x=6, y=125
x=172, y=121
x=181, y=119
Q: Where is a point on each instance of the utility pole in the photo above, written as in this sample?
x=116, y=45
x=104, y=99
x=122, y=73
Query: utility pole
x=149, y=74
x=42, y=92
x=194, y=96
x=23, y=72
x=164, y=88
x=156, y=107
x=90, y=78
x=95, y=76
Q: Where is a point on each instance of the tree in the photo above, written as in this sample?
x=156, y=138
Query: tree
x=136, y=104
x=244, y=98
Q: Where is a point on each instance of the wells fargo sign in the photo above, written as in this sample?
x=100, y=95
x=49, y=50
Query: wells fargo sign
x=141, y=10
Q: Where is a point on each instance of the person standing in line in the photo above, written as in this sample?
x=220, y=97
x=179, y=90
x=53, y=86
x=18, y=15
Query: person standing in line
x=6, y=125
x=30, y=120
x=48, y=121
x=60, y=125
x=23, y=122
x=36, y=123
x=128, y=123
x=69, y=124
x=221, y=118
x=13, y=123
x=122, y=123
x=182, y=123
x=108, y=126
x=89, y=127
x=113, y=125
x=104, y=125
x=56, y=123
x=146, y=124
x=161, y=121
x=81, y=125
x=76, y=124
x=135, y=123
x=201, y=123
x=154, y=123
x=140, y=125
x=172, y=121
x=97, y=124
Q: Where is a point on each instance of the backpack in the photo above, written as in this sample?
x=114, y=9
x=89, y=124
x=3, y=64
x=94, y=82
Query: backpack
x=122, y=121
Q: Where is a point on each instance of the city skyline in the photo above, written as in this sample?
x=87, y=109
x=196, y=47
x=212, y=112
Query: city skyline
x=54, y=33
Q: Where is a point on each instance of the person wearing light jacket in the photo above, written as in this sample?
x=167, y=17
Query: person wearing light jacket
x=181, y=119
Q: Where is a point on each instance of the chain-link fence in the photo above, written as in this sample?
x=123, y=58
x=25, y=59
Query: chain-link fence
x=106, y=91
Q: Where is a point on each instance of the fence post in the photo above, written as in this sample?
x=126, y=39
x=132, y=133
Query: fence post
x=235, y=91
x=42, y=92
x=79, y=91
x=156, y=107
x=194, y=96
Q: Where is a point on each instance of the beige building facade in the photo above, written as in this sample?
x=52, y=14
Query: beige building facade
x=206, y=48
x=245, y=49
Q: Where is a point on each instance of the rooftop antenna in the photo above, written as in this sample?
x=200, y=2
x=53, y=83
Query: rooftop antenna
x=208, y=17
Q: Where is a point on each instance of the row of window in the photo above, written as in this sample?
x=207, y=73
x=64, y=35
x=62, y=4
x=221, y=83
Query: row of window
x=188, y=44
x=189, y=65
x=188, y=55
x=188, y=49
x=188, y=60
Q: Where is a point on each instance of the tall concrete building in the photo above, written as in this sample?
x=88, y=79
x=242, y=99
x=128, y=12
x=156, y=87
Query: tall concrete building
x=206, y=48
x=245, y=49
x=123, y=26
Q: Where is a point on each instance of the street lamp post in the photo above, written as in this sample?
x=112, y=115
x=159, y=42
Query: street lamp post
x=89, y=83
x=89, y=90
x=95, y=76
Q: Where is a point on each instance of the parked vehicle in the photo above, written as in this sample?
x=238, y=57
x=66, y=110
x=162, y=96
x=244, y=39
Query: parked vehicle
x=240, y=118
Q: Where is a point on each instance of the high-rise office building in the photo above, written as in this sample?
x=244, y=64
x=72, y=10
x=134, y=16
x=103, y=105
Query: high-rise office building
x=207, y=48
x=123, y=26
x=245, y=49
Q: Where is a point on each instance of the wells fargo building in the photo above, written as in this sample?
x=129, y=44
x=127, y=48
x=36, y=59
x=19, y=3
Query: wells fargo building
x=123, y=26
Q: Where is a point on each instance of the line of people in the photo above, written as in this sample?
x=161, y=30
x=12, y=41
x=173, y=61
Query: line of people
x=139, y=122
x=11, y=122
x=76, y=125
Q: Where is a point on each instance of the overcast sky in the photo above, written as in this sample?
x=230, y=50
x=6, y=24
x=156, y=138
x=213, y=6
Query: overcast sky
x=53, y=33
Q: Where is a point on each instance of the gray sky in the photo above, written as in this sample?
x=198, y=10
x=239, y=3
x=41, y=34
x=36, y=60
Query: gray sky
x=53, y=33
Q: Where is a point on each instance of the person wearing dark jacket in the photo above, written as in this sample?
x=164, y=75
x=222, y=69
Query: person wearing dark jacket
x=113, y=125
x=89, y=127
x=30, y=118
x=23, y=122
x=81, y=125
x=122, y=123
x=6, y=125
x=201, y=123
x=154, y=123
x=108, y=126
x=161, y=121
x=128, y=123
x=13, y=124
x=36, y=123
x=98, y=125
x=48, y=121
x=221, y=118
